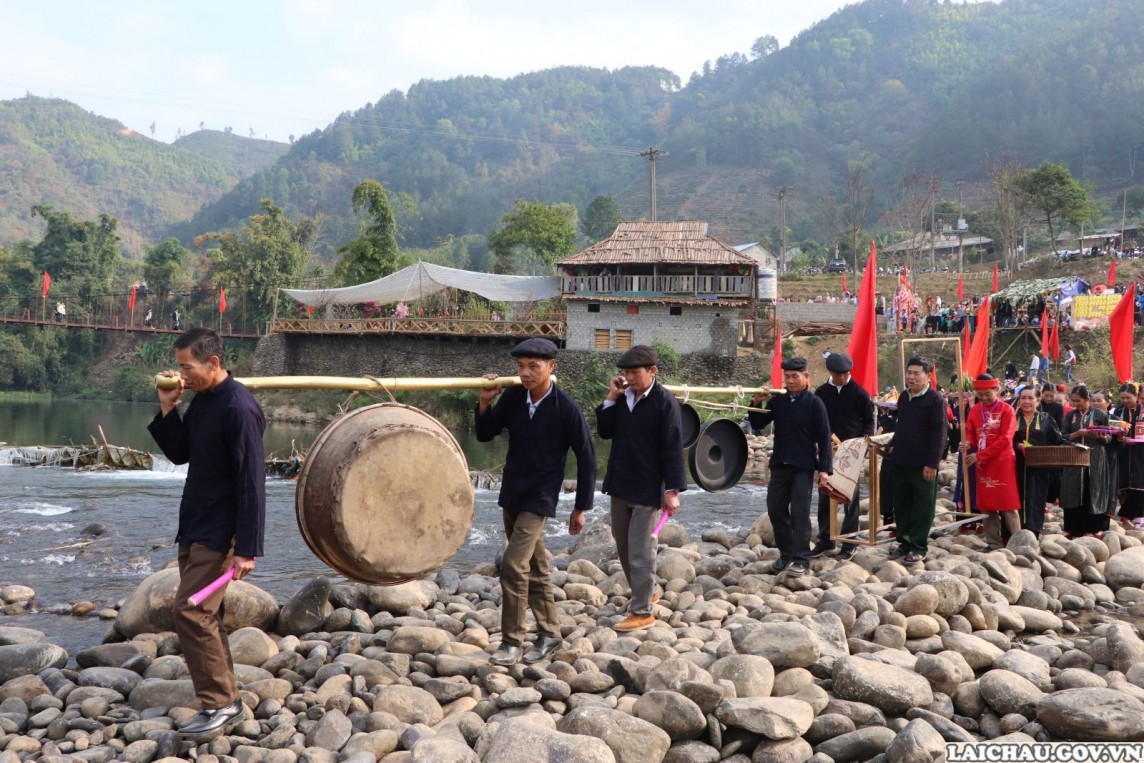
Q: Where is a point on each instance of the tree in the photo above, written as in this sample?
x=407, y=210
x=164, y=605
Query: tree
x=1134, y=200
x=601, y=218
x=163, y=264
x=534, y=231
x=856, y=206
x=764, y=46
x=911, y=211
x=153, y=128
x=374, y=253
x=1053, y=191
x=1009, y=213
x=84, y=254
x=270, y=252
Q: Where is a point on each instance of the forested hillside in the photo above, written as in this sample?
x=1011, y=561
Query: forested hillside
x=886, y=85
x=53, y=152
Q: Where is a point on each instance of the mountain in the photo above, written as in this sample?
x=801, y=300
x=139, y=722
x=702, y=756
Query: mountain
x=53, y=152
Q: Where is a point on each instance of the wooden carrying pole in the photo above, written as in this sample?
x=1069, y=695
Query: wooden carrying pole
x=683, y=389
x=376, y=384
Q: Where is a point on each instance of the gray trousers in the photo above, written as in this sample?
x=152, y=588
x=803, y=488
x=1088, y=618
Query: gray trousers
x=632, y=524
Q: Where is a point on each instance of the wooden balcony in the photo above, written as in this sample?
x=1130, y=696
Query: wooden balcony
x=552, y=329
x=740, y=287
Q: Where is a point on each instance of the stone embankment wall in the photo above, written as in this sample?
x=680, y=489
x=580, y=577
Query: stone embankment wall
x=332, y=355
x=792, y=313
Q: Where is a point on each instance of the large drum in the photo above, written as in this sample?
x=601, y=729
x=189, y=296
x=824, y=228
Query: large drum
x=385, y=495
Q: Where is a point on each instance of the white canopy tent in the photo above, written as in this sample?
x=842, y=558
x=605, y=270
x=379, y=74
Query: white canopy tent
x=425, y=279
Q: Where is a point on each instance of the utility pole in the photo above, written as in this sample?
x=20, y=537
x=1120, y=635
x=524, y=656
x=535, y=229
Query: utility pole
x=782, y=226
x=960, y=228
x=932, y=221
x=1123, y=215
x=651, y=155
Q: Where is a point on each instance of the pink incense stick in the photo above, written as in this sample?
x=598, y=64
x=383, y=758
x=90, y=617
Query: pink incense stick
x=202, y=595
x=659, y=525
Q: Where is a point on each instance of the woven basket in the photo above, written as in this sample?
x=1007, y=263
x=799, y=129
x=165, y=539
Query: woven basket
x=1045, y=456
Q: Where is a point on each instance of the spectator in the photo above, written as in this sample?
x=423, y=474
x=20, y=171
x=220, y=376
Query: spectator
x=1070, y=361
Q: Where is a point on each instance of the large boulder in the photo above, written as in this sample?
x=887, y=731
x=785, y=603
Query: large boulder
x=753, y=676
x=891, y=689
x=771, y=717
x=150, y=608
x=29, y=659
x=1092, y=715
x=519, y=740
x=1007, y=692
x=1126, y=569
x=631, y=739
x=784, y=645
x=398, y=599
x=307, y=609
x=674, y=713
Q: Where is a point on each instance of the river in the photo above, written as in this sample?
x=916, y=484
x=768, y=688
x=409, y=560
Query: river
x=44, y=510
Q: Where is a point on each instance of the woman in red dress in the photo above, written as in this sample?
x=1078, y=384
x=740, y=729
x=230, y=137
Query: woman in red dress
x=988, y=442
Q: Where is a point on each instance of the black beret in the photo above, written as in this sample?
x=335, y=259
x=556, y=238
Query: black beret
x=839, y=362
x=637, y=357
x=534, y=348
x=794, y=364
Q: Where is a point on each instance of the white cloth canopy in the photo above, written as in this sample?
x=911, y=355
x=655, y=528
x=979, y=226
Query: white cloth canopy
x=424, y=279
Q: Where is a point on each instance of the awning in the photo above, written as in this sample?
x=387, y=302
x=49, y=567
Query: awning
x=425, y=279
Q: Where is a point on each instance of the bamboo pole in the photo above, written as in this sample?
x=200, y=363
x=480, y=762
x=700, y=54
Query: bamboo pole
x=683, y=389
x=373, y=384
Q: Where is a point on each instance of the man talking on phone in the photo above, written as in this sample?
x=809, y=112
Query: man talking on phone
x=645, y=471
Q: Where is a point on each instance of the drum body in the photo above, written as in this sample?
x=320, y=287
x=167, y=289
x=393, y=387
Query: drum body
x=384, y=495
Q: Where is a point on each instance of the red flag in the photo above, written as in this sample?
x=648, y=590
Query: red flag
x=863, y=348
x=221, y=300
x=904, y=278
x=1111, y=273
x=131, y=302
x=979, y=351
x=1045, y=331
x=47, y=285
x=844, y=287
x=1120, y=327
x=777, y=360
x=960, y=288
x=994, y=282
x=933, y=378
x=966, y=343
x=1055, y=341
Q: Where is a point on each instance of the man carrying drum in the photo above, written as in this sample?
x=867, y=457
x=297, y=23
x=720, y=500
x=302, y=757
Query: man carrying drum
x=543, y=423
x=645, y=471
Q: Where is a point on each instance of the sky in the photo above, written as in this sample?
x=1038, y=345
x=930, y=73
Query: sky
x=287, y=67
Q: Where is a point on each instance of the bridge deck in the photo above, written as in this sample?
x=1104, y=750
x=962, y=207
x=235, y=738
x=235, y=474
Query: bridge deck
x=438, y=326
x=230, y=334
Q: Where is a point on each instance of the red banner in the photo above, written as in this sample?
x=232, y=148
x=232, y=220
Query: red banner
x=979, y=352
x=221, y=300
x=863, y=348
x=131, y=301
x=1055, y=341
x=960, y=288
x=1112, y=274
x=1121, y=325
x=1045, y=331
x=47, y=285
x=777, y=359
x=995, y=281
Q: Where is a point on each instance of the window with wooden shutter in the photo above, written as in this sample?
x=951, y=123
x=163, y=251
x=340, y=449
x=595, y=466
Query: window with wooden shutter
x=603, y=339
x=623, y=339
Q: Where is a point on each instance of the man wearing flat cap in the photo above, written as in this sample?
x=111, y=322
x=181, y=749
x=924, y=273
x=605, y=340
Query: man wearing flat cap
x=645, y=471
x=802, y=446
x=851, y=415
x=543, y=424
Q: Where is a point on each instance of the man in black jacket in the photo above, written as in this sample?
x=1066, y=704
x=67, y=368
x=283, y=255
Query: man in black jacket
x=222, y=514
x=851, y=415
x=918, y=443
x=543, y=424
x=801, y=447
x=645, y=471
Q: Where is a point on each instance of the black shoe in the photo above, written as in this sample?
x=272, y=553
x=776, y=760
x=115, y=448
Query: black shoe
x=797, y=569
x=506, y=655
x=914, y=558
x=208, y=721
x=778, y=565
x=898, y=553
x=541, y=648
x=847, y=551
x=821, y=548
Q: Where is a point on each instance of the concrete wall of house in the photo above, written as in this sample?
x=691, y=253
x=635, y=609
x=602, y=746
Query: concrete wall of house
x=314, y=355
x=791, y=313
x=697, y=329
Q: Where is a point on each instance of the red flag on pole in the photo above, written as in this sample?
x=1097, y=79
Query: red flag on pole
x=221, y=300
x=844, y=287
x=1120, y=325
x=933, y=378
x=979, y=352
x=995, y=274
x=1045, y=331
x=863, y=348
x=1112, y=273
x=47, y=285
x=131, y=301
x=960, y=288
x=966, y=343
x=1055, y=340
x=777, y=359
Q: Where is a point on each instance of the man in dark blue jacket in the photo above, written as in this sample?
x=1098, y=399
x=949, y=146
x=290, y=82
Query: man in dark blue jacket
x=543, y=423
x=801, y=447
x=222, y=514
x=645, y=471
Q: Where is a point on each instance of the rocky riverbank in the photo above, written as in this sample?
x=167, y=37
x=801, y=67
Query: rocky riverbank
x=860, y=660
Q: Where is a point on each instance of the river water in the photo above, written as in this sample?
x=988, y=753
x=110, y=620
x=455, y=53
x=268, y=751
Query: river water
x=44, y=510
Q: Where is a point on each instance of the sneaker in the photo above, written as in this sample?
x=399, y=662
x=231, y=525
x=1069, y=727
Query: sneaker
x=778, y=565
x=634, y=623
x=914, y=558
x=821, y=548
x=209, y=721
x=847, y=551
x=898, y=552
x=797, y=569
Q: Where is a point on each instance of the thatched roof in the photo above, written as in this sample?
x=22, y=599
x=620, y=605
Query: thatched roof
x=680, y=242
x=1040, y=287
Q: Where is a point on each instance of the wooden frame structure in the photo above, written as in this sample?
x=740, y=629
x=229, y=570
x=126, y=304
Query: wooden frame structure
x=423, y=326
x=874, y=491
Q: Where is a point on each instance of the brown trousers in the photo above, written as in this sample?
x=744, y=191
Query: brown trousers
x=201, y=635
x=525, y=578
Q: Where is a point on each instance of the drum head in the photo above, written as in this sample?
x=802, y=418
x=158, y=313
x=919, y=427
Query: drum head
x=689, y=419
x=719, y=456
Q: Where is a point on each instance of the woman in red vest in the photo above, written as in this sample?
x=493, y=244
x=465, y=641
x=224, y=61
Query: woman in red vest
x=989, y=429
